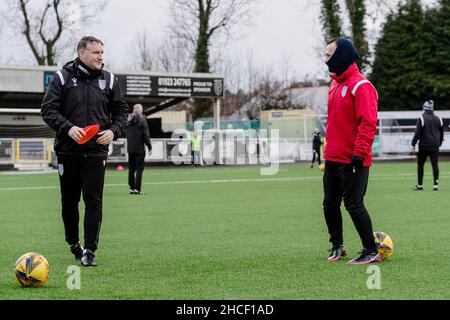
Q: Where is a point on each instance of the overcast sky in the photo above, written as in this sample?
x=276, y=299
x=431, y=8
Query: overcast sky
x=282, y=28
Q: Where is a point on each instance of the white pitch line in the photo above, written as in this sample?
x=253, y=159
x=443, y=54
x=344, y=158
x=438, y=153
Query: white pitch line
x=172, y=183
x=216, y=181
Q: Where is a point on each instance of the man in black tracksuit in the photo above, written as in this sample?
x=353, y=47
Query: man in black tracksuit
x=317, y=143
x=137, y=138
x=79, y=95
x=430, y=134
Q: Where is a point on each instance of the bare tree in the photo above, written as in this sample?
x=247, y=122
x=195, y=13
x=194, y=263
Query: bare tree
x=211, y=20
x=287, y=75
x=143, y=52
x=378, y=9
x=171, y=56
x=46, y=24
x=168, y=54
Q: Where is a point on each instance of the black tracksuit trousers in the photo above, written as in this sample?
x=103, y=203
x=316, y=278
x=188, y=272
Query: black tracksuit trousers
x=82, y=175
x=136, y=165
x=422, y=156
x=316, y=151
x=340, y=182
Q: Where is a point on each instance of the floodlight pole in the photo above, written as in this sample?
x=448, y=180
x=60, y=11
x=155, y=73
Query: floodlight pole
x=217, y=107
x=218, y=135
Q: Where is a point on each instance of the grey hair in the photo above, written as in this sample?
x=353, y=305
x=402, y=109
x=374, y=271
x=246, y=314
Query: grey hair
x=82, y=44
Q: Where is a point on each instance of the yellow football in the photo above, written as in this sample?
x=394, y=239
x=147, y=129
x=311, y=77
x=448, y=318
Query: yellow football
x=31, y=270
x=384, y=244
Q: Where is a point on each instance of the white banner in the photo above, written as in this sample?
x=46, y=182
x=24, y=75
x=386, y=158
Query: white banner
x=401, y=142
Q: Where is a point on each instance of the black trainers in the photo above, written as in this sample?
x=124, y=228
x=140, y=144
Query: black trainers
x=132, y=191
x=418, y=187
x=88, y=259
x=337, y=253
x=435, y=187
x=366, y=257
x=140, y=192
x=77, y=250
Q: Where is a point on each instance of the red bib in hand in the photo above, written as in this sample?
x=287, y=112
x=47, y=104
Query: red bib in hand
x=90, y=131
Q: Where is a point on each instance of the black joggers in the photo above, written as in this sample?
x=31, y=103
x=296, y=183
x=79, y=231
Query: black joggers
x=136, y=164
x=82, y=175
x=422, y=156
x=316, y=152
x=340, y=182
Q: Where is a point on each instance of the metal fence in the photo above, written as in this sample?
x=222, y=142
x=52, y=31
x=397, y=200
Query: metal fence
x=33, y=151
x=6, y=151
x=217, y=148
x=238, y=151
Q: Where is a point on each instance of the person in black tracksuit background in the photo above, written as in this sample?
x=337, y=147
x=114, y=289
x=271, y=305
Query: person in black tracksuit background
x=430, y=134
x=83, y=94
x=138, y=137
x=317, y=143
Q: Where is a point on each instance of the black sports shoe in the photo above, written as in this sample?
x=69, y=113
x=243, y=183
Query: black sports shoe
x=418, y=187
x=132, y=191
x=140, y=192
x=366, y=257
x=88, y=259
x=77, y=250
x=337, y=253
x=435, y=187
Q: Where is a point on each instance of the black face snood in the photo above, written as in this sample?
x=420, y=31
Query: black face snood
x=344, y=56
x=84, y=71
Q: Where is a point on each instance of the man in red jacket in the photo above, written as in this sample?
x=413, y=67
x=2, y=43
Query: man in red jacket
x=350, y=131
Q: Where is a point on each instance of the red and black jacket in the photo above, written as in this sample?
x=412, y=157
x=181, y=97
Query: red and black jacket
x=352, y=117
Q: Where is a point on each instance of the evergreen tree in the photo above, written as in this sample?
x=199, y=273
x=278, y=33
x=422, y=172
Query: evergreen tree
x=330, y=19
x=436, y=56
x=398, y=67
x=412, y=62
x=332, y=25
x=357, y=12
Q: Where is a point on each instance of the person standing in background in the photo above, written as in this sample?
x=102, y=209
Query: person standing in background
x=430, y=134
x=196, y=148
x=317, y=143
x=138, y=137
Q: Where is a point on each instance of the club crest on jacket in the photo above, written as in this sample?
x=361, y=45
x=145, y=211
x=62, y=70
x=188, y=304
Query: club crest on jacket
x=102, y=84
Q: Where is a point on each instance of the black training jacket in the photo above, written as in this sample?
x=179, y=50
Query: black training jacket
x=317, y=141
x=429, y=132
x=138, y=135
x=76, y=96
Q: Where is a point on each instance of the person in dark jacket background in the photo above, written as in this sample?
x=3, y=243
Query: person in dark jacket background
x=317, y=143
x=138, y=137
x=83, y=94
x=430, y=134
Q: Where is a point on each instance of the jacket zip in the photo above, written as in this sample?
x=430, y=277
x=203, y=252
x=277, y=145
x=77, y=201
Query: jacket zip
x=86, y=92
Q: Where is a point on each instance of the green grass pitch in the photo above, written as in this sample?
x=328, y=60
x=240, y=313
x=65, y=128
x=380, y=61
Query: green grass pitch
x=230, y=233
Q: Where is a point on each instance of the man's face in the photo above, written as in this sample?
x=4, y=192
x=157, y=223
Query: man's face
x=92, y=56
x=138, y=110
x=331, y=48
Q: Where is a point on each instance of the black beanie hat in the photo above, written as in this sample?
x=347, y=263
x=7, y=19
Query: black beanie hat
x=344, y=56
